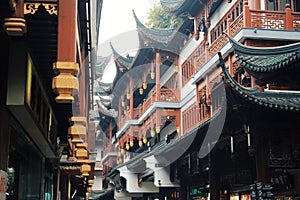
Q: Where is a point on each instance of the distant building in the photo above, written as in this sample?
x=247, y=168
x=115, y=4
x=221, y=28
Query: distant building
x=46, y=135
x=208, y=110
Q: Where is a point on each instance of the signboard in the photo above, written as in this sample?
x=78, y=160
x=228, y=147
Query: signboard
x=198, y=192
x=3, y=181
x=261, y=191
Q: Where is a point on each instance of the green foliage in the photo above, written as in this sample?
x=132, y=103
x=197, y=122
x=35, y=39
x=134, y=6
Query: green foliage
x=158, y=18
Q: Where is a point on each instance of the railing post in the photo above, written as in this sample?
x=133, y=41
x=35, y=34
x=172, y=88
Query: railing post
x=207, y=56
x=157, y=69
x=131, y=100
x=288, y=24
x=247, y=17
x=229, y=21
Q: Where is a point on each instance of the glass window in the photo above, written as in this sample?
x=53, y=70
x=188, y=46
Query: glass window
x=279, y=5
x=272, y=4
x=296, y=5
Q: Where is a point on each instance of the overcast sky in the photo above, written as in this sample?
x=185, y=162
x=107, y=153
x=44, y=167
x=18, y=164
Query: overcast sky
x=118, y=25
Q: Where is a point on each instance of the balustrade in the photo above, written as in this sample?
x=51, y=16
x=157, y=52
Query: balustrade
x=238, y=17
x=296, y=21
x=166, y=95
x=194, y=116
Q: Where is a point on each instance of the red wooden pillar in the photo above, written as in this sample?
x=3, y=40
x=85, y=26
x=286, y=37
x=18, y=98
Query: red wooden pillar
x=65, y=84
x=110, y=134
x=246, y=13
x=131, y=100
x=229, y=21
x=157, y=72
x=177, y=89
x=254, y=4
x=67, y=29
x=288, y=25
x=19, y=8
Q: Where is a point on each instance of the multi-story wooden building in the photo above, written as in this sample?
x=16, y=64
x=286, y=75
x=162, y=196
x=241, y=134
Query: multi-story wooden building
x=48, y=52
x=208, y=110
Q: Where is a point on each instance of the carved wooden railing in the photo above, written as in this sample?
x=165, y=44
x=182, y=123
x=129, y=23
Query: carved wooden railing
x=237, y=25
x=194, y=62
x=194, y=116
x=267, y=19
x=166, y=94
x=238, y=17
x=296, y=21
x=217, y=45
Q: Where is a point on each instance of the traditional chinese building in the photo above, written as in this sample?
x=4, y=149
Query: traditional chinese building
x=207, y=110
x=46, y=135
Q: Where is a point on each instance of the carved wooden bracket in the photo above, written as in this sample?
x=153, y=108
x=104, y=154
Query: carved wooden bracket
x=15, y=26
x=66, y=83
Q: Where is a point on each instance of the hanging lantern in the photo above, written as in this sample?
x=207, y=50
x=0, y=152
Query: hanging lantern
x=152, y=75
x=157, y=129
x=177, y=68
x=144, y=85
x=140, y=143
x=178, y=129
x=128, y=95
x=152, y=133
x=127, y=146
x=141, y=90
x=123, y=103
x=131, y=143
x=144, y=140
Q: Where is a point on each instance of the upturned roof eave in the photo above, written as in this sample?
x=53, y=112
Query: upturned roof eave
x=273, y=100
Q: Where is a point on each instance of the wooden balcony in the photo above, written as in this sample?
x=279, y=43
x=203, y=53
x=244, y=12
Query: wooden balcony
x=238, y=17
x=250, y=18
x=166, y=95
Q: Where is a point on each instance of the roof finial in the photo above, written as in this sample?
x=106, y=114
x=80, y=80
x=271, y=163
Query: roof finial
x=139, y=24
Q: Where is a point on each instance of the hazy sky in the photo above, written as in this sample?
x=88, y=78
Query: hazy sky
x=118, y=25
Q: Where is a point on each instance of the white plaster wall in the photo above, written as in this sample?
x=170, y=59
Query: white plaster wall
x=162, y=177
x=132, y=183
x=97, y=183
x=122, y=196
x=161, y=174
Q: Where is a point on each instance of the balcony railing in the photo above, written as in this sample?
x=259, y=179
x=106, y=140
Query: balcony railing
x=166, y=95
x=238, y=17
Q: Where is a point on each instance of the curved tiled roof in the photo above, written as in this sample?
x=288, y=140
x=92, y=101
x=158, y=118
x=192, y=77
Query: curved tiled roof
x=176, y=6
x=106, y=101
x=276, y=100
x=104, y=111
x=101, y=63
x=163, y=36
x=261, y=61
x=121, y=61
x=106, y=87
x=169, y=39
